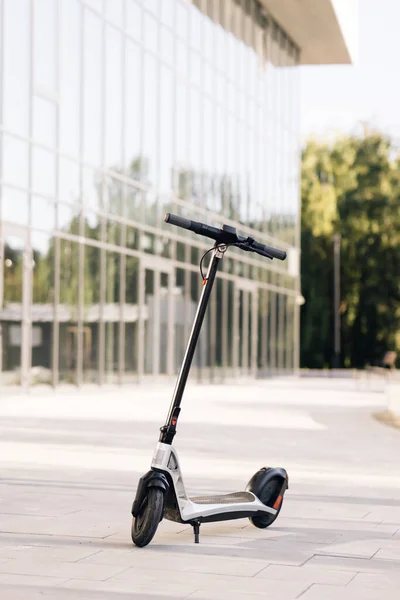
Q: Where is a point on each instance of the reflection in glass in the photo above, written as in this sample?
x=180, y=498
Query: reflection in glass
x=43, y=171
x=167, y=46
x=44, y=121
x=181, y=57
x=91, y=225
x=114, y=11
x=43, y=213
x=133, y=119
x=113, y=232
x=153, y=6
x=181, y=18
x=44, y=44
x=113, y=98
x=68, y=218
x=13, y=271
x=92, y=188
x=151, y=28
x=150, y=117
x=167, y=13
x=91, y=314
x=15, y=161
x=92, y=89
x=165, y=300
x=70, y=68
x=112, y=195
x=134, y=19
x=133, y=202
x=131, y=315
x=68, y=181
x=16, y=65
x=112, y=315
x=151, y=324
x=42, y=307
x=166, y=130
x=68, y=310
x=14, y=206
x=181, y=140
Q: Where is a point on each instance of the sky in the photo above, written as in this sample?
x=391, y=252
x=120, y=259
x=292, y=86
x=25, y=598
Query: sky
x=337, y=99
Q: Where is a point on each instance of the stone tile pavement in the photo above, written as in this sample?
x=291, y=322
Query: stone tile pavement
x=70, y=462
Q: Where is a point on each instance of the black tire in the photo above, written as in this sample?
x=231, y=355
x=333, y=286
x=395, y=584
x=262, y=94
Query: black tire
x=144, y=526
x=268, y=495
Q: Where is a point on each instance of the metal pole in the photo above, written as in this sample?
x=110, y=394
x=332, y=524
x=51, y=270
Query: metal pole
x=336, y=286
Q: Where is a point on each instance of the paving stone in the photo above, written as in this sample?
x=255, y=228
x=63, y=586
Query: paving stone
x=358, y=549
x=352, y=564
x=196, y=561
x=278, y=589
x=19, y=579
x=308, y=576
x=324, y=592
x=56, y=568
x=23, y=592
x=43, y=553
x=382, y=581
x=207, y=583
x=391, y=552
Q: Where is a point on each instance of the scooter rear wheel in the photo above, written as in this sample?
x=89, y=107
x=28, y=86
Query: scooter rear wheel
x=268, y=495
x=144, y=526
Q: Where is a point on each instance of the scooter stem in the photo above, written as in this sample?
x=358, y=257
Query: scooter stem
x=169, y=429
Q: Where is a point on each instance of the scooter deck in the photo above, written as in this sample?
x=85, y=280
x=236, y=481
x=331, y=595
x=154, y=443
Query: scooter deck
x=232, y=498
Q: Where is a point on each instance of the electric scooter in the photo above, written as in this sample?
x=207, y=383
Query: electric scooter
x=161, y=491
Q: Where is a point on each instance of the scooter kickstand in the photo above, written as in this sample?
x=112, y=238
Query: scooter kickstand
x=196, y=531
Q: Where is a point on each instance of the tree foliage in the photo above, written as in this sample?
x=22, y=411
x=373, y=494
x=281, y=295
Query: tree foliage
x=353, y=188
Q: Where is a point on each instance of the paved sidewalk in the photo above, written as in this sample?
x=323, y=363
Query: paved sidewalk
x=70, y=463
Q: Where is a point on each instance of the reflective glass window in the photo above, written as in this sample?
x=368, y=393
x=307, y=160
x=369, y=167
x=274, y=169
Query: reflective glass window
x=44, y=121
x=15, y=161
x=150, y=117
x=70, y=70
x=113, y=98
x=16, y=67
x=14, y=206
x=134, y=22
x=133, y=108
x=43, y=171
x=151, y=32
x=68, y=181
x=44, y=44
x=43, y=213
x=114, y=11
x=166, y=129
x=92, y=89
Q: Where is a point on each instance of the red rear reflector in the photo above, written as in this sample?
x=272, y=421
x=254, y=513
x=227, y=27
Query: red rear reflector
x=173, y=422
x=277, y=502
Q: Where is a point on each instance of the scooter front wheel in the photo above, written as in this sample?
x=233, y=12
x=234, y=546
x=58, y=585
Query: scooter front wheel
x=144, y=526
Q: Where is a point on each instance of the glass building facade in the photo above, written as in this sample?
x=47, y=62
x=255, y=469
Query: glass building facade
x=113, y=112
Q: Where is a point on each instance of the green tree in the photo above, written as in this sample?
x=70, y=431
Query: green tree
x=351, y=187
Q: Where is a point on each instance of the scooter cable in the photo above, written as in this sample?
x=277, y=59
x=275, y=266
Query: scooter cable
x=204, y=279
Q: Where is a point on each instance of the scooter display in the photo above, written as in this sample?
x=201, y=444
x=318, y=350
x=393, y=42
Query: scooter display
x=161, y=492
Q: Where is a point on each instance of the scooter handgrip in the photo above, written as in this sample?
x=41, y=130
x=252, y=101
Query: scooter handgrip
x=178, y=221
x=195, y=226
x=274, y=252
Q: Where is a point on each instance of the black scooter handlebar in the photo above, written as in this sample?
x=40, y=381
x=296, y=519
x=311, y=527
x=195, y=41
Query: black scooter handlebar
x=225, y=236
x=178, y=221
x=274, y=252
x=200, y=228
